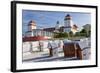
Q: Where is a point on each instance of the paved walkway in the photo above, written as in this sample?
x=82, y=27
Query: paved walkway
x=44, y=57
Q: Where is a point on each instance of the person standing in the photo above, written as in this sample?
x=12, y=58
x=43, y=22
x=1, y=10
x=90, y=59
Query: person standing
x=53, y=48
x=40, y=46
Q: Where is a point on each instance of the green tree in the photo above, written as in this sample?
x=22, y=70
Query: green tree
x=60, y=35
x=83, y=32
x=89, y=33
x=87, y=27
x=70, y=34
x=77, y=34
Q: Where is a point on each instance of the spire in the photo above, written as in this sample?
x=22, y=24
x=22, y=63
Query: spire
x=57, y=22
x=68, y=17
x=57, y=25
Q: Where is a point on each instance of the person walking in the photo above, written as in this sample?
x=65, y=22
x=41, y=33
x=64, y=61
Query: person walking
x=53, y=48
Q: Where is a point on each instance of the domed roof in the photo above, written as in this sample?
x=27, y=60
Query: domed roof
x=57, y=22
x=57, y=25
x=32, y=22
x=67, y=17
x=74, y=26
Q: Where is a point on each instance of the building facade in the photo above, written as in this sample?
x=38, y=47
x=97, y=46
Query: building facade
x=49, y=32
x=67, y=23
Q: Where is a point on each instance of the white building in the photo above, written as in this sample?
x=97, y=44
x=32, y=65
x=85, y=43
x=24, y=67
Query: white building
x=48, y=32
x=67, y=23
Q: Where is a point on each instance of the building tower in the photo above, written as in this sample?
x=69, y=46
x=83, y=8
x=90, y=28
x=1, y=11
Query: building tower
x=67, y=23
x=57, y=27
x=31, y=25
x=74, y=28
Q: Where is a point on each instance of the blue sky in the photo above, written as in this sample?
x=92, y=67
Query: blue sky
x=46, y=19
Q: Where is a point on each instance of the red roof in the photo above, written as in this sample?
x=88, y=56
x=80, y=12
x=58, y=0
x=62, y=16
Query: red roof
x=35, y=38
x=75, y=26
